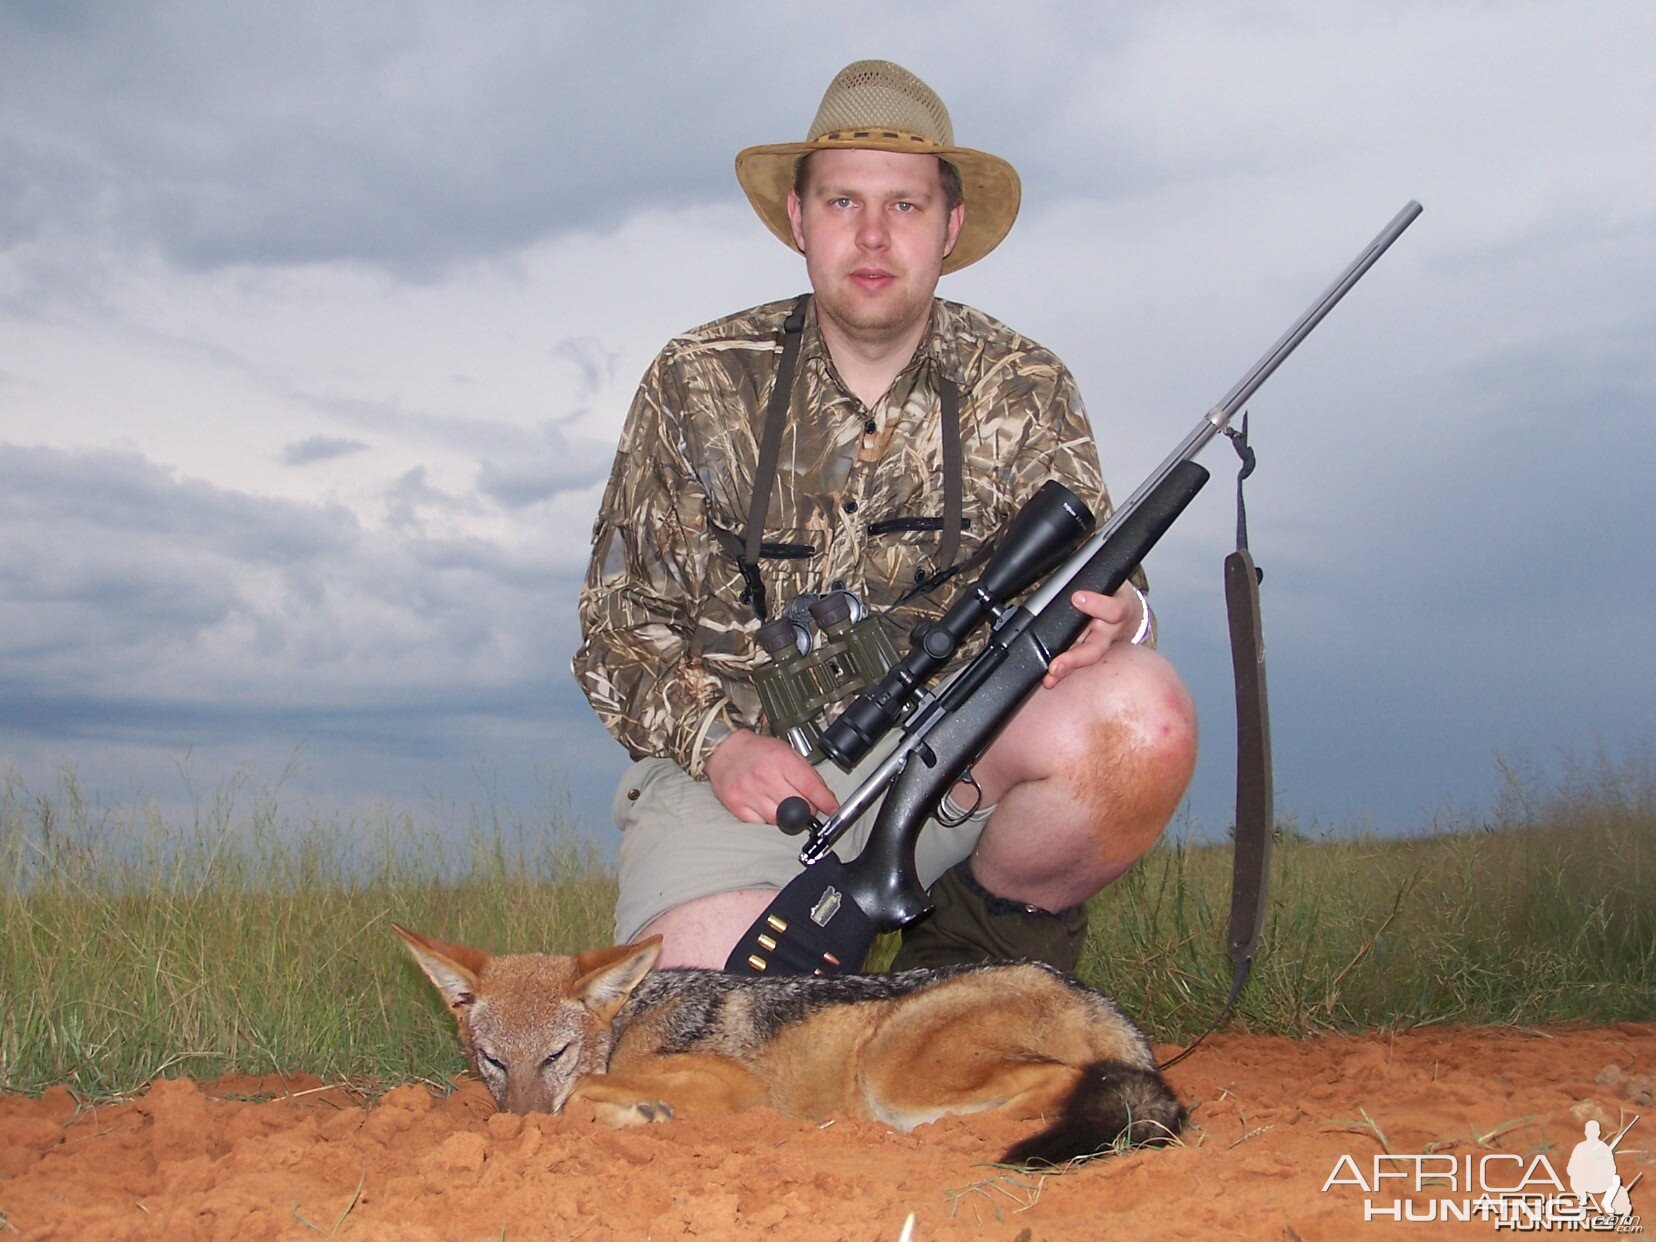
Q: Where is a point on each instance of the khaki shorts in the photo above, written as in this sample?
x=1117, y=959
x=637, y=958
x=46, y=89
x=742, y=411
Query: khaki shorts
x=679, y=843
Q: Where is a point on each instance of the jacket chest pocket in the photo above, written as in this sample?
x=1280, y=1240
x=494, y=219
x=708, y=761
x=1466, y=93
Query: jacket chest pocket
x=790, y=561
x=903, y=553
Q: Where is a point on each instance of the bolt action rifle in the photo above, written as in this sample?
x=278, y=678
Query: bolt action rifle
x=826, y=918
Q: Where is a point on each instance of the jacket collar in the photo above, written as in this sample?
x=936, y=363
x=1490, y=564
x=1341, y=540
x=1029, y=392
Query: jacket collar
x=938, y=354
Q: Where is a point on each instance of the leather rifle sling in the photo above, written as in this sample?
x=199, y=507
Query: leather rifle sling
x=1255, y=819
x=1255, y=816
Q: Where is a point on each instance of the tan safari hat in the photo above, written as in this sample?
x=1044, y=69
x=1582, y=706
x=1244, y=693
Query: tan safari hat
x=876, y=105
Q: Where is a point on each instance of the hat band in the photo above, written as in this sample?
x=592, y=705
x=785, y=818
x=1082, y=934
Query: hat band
x=857, y=137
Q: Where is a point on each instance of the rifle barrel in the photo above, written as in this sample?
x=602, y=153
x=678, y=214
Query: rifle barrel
x=1233, y=400
x=1216, y=419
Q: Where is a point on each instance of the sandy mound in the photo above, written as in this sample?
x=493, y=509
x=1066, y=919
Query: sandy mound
x=287, y=1157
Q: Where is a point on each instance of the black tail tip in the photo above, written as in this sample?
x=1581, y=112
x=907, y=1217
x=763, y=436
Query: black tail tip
x=1114, y=1107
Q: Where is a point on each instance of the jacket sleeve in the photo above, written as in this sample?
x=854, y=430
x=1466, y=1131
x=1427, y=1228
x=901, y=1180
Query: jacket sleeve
x=650, y=553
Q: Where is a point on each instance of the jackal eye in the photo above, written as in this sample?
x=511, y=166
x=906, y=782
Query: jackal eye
x=553, y=1058
x=492, y=1061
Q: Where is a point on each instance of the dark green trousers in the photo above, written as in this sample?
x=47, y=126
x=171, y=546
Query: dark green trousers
x=970, y=924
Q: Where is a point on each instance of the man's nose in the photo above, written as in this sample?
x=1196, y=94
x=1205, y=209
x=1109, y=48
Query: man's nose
x=872, y=233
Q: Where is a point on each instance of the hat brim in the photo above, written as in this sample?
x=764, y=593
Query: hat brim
x=991, y=186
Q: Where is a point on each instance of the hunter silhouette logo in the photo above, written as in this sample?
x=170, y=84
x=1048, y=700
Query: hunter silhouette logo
x=1592, y=1172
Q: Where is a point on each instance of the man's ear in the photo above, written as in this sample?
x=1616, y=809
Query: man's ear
x=796, y=220
x=957, y=220
x=607, y=977
x=453, y=969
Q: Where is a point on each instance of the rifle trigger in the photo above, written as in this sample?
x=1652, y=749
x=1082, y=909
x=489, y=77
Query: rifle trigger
x=951, y=814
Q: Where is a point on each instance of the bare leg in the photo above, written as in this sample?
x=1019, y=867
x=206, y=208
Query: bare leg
x=704, y=931
x=1084, y=779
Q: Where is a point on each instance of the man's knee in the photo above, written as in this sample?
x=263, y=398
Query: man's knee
x=1128, y=716
x=1132, y=753
x=1143, y=708
x=1099, y=772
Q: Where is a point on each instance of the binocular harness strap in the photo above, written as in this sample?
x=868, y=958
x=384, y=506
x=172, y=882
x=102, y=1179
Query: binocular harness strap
x=770, y=449
x=751, y=547
x=954, y=485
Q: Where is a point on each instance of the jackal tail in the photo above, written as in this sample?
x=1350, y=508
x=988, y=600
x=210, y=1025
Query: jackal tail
x=1113, y=1105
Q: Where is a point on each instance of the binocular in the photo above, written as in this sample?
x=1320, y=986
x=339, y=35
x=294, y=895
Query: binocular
x=857, y=657
x=808, y=674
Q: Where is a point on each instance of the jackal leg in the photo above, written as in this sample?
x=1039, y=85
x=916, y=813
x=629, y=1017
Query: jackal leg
x=901, y=1097
x=657, y=1088
x=1011, y=1038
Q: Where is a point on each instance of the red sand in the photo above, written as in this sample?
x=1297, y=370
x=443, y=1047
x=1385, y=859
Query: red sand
x=265, y=1158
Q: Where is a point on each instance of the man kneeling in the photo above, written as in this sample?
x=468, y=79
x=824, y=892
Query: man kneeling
x=911, y=430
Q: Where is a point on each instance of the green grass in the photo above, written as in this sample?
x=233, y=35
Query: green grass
x=249, y=941
x=254, y=938
x=1542, y=913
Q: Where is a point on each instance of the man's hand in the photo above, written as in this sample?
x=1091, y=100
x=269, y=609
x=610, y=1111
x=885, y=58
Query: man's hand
x=1115, y=618
x=751, y=773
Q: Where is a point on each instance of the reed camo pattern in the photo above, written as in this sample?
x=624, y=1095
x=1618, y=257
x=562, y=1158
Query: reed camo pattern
x=668, y=643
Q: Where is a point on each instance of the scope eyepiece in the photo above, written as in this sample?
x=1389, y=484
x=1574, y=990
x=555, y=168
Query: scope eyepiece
x=865, y=720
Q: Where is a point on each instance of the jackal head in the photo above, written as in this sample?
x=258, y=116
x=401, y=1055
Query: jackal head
x=532, y=1024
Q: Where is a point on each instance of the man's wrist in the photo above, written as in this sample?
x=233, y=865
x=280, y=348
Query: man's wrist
x=717, y=732
x=708, y=739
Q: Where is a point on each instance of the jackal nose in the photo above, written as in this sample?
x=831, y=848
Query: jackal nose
x=524, y=1102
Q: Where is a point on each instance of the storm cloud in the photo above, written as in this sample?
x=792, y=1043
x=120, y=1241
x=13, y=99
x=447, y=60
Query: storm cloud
x=320, y=323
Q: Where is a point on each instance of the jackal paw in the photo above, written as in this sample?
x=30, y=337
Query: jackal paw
x=638, y=1113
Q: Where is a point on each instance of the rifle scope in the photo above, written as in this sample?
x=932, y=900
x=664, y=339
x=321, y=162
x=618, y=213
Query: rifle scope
x=1038, y=538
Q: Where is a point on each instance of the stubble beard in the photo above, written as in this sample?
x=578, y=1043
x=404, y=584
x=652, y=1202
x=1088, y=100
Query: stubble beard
x=875, y=321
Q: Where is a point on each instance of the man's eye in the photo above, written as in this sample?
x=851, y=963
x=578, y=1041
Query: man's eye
x=840, y=202
x=907, y=207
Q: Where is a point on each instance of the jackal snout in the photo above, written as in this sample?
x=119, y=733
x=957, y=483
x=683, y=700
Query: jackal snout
x=533, y=1024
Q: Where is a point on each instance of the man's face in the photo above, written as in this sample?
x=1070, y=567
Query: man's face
x=875, y=228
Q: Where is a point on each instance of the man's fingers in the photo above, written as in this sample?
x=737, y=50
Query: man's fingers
x=814, y=790
x=1104, y=608
x=1089, y=647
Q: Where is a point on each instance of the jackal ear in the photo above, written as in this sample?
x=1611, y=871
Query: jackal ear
x=452, y=968
x=606, y=977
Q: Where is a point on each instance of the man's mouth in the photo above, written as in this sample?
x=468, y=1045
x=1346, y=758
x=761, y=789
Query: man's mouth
x=872, y=279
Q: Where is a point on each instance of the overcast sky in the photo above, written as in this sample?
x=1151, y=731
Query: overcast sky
x=318, y=323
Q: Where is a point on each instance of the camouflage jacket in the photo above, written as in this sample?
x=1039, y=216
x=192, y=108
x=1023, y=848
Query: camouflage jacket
x=667, y=640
